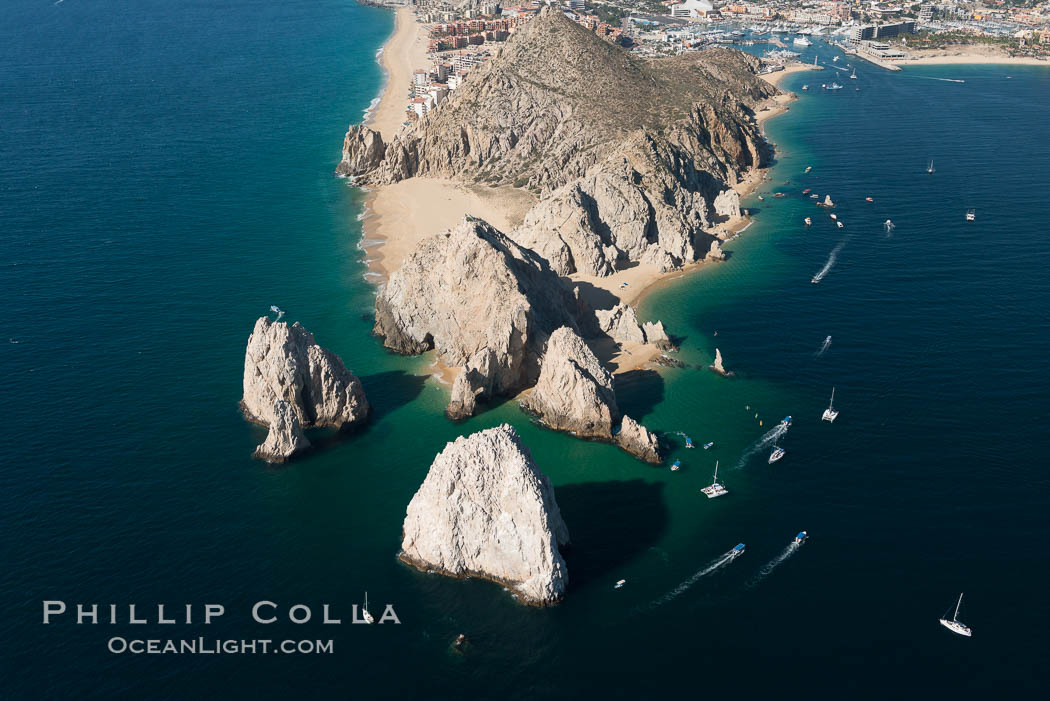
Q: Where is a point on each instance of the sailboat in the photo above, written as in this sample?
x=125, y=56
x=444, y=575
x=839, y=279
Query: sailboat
x=830, y=414
x=716, y=488
x=853, y=75
x=930, y=169
x=365, y=613
x=954, y=625
x=777, y=453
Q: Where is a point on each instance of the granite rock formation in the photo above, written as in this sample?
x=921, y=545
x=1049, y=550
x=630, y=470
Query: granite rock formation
x=715, y=253
x=574, y=392
x=634, y=158
x=291, y=383
x=638, y=441
x=483, y=303
x=717, y=365
x=486, y=510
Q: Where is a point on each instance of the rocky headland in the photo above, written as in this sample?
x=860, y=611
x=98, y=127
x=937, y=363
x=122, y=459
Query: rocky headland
x=485, y=510
x=291, y=383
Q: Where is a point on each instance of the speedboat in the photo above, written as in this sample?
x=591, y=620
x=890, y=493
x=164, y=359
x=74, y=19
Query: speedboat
x=834, y=216
x=805, y=87
x=677, y=465
x=809, y=168
x=808, y=221
x=709, y=445
x=801, y=537
x=841, y=225
x=786, y=421
x=971, y=215
x=868, y=199
x=953, y=624
x=806, y=191
x=620, y=583
x=777, y=453
x=689, y=442
x=761, y=198
x=739, y=549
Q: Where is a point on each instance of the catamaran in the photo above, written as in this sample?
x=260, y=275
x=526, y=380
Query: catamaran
x=365, y=614
x=954, y=625
x=716, y=488
x=830, y=414
x=777, y=453
x=930, y=168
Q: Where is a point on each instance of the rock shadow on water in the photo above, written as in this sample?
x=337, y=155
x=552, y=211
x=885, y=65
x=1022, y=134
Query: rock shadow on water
x=610, y=524
x=391, y=390
x=638, y=392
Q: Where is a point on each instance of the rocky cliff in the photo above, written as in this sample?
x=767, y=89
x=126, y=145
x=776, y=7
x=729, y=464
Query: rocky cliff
x=634, y=157
x=638, y=441
x=291, y=383
x=483, y=302
x=574, y=392
x=486, y=510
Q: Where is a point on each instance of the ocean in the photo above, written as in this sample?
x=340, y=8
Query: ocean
x=166, y=175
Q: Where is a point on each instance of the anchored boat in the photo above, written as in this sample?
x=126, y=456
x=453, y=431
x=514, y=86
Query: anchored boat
x=365, y=613
x=830, y=414
x=716, y=488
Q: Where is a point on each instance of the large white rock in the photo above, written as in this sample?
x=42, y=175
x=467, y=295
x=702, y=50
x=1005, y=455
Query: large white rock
x=638, y=440
x=486, y=510
x=291, y=383
x=574, y=392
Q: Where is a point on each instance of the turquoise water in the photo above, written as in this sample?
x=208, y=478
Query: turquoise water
x=166, y=176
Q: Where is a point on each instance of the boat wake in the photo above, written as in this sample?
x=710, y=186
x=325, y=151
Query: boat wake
x=768, y=568
x=758, y=446
x=682, y=588
x=946, y=80
x=824, y=346
x=832, y=259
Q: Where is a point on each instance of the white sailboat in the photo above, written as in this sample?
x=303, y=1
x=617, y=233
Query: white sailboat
x=365, y=613
x=954, y=625
x=830, y=414
x=929, y=168
x=716, y=488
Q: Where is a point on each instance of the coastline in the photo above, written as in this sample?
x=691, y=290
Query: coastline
x=396, y=217
x=942, y=59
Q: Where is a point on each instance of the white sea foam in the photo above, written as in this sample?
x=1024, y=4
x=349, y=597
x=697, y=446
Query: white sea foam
x=832, y=259
x=768, y=437
x=711, y=567
x=768, y=568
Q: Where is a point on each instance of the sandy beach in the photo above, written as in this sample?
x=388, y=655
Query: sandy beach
x=402, y=55
x=398, y=216
x=987, y=55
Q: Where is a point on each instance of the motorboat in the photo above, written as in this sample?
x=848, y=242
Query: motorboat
x=776, y=454
x=808, y=221
x=620, y=583
x=676, y=466
x=801, y=537
x=841, y=225
x=709, y=445
x=738, y=549
x=971, y=215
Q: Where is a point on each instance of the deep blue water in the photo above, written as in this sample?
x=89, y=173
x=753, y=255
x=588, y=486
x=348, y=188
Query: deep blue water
x=166, y=175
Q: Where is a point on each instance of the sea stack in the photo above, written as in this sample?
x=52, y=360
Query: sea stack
x=717, y=365
x=638, y=441
x=291, y=383
x=574, y=392
x=485, y=510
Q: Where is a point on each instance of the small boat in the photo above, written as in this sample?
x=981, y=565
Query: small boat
x=814, y=196
x=761, y=198
x=853, y=75
x=689, y=442
x=786, y=421
x=805, y=87
x=716, y=488
x=801, y=537
x=776, y=453
x=676, y=466
x=620, y=583
x=365, y=613
x=778, y=194
x=835, y=59
x=809, y=168
x=830, y=414
x=868, y=199
x=954, y=625
x=827, y=202
x=807, y=191
x=834, y=86
x=834, y=216
x=709, y=445
x=930, y=169
x=971, y=215
x=739, y=549
x=889, y=226
x=808, y=221
x=841, y=225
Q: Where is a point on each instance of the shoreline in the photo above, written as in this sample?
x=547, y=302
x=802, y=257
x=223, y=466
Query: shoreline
x=391, y=230
x=965, y=59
